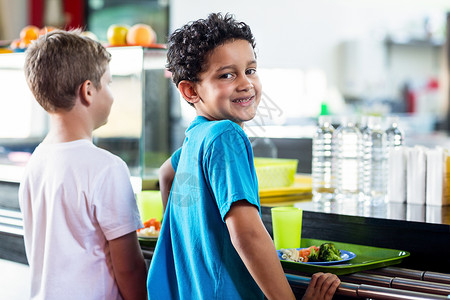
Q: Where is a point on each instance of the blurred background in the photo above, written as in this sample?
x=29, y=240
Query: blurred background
x=333, y=57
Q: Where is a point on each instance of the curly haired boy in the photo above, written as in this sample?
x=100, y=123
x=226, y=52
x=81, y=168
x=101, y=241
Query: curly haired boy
x=213, y=243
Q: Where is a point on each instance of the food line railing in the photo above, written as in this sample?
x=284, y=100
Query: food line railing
x=386, y=283
x=383, y=283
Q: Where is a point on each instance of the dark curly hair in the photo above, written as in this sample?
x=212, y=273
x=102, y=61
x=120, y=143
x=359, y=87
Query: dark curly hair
x=189, y=46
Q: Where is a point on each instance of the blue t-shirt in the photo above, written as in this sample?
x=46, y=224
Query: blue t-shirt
x=194, y=257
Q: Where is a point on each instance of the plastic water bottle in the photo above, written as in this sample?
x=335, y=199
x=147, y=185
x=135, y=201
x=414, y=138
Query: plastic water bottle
x=362, y=125
x=346, y=160
x=394, y=134
x=375, y=163
x=264, y=147
x=365, y=143
x=322, y=159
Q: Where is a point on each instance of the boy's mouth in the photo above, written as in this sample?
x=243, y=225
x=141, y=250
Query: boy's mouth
x=243, y=100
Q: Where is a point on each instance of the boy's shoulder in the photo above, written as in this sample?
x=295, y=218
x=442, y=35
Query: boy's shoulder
x=105, y=157
x=222, y=132
x=213, y=129
x=78, y=149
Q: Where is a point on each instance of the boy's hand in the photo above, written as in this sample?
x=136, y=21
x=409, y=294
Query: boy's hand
x=322, y=286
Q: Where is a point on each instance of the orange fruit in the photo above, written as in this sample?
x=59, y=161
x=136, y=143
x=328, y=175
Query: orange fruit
x=117, y=35
x=29, y=33
x=141, y=35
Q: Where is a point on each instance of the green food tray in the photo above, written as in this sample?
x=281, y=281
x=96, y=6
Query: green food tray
x=367, y=258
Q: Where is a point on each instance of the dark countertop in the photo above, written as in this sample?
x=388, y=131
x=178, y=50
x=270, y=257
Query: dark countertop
x=428, y=214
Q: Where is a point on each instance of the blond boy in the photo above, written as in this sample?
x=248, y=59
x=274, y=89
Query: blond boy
x=79, y=211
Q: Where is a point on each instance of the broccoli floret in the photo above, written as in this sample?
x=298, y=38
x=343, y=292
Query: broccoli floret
x=328, y=252
x=314, y=255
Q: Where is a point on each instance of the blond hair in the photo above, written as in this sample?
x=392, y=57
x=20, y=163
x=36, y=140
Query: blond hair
x=58, y=63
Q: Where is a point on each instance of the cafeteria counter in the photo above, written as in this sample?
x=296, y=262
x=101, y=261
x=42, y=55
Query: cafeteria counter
x=425, y=239
x=422, y=231
x=423, y=275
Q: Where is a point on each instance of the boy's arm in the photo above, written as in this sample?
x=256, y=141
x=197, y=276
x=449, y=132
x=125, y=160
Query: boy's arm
x=166, y=176
x=255, y=247
x=129, y=266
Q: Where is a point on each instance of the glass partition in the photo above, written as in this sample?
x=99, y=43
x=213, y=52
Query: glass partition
x=121, y=135
x=138, y=128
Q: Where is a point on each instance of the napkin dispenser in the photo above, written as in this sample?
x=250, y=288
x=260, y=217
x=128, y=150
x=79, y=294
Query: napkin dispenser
x=437, y=192
x=416, y=175
x=419, y=175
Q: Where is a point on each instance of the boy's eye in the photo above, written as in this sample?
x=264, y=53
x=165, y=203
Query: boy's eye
x=226, y=76
x=251, y=71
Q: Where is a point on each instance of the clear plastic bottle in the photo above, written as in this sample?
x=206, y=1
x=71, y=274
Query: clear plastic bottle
x=365, y=143
x=322, y=159
x=394, y=134
x=375, y=163
x=346, y=160
x=264, y=147
x=362, y=124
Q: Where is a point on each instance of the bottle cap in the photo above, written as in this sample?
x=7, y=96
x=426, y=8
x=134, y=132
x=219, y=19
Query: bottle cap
x=391, y=120
x=348, y=119
x=374, y=122
x=325, y=120
x=363, y=121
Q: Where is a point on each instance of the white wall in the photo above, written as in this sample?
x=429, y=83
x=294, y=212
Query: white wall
x=307, y=34
x=13, y=17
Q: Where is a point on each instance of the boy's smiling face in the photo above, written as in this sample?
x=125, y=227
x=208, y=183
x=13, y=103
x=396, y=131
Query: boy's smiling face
x=229, y=88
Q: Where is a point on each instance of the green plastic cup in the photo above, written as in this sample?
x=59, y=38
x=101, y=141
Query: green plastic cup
x=287, y=227
x=150, y=205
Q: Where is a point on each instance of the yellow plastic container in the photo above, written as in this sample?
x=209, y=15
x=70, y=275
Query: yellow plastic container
x=150, y=205
x=275, y=172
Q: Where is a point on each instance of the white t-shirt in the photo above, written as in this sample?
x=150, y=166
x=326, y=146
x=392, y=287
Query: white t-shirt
x=75, y=197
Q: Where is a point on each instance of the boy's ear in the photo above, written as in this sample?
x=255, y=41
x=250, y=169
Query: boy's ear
x=86, y=92
x=187, y=90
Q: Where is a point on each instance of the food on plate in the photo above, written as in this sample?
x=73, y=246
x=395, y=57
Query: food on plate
x=326, y=252
x=301, y=255
x=151, y=228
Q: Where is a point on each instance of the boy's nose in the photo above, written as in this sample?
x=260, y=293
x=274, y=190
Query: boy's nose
x=245, y=84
